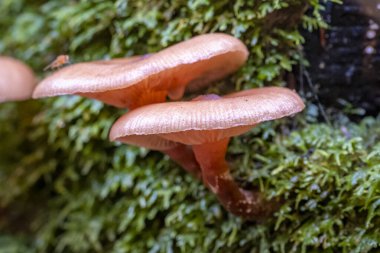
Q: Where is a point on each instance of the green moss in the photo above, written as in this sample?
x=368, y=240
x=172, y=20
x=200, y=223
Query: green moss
x=68, y=189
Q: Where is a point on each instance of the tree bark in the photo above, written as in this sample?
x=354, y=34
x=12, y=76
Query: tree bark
x=345, y=59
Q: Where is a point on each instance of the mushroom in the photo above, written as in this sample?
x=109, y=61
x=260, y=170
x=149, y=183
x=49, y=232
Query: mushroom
x=17, y=80
x=207, y=123
x=150, y=79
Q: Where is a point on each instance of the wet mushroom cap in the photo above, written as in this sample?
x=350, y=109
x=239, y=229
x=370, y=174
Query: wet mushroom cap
x=204, y=121
x=17, y=80
x=204, y=58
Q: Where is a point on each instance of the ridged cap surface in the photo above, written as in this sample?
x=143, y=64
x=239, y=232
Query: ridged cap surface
x=197, y=122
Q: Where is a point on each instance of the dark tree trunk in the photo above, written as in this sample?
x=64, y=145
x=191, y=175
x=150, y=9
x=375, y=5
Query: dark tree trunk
x=345, y=59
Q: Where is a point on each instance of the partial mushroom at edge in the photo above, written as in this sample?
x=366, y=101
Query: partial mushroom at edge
x=17, y=80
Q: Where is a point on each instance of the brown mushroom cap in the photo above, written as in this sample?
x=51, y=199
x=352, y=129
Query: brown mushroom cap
x=17, y=80
x=203, y=121
x=205, y=57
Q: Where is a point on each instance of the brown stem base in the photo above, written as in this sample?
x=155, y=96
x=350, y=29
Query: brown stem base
x=216, y=176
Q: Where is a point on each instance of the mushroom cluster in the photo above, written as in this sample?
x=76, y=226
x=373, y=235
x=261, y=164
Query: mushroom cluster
x=193, y=133
x=141, y=80
x=17, y=80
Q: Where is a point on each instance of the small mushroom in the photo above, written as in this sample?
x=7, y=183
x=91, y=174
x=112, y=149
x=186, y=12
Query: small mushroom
x=17, y=80
x=207, y=123
x=151, y=78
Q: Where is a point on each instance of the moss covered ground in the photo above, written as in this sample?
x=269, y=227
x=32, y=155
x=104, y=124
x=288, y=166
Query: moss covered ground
x=66, y=188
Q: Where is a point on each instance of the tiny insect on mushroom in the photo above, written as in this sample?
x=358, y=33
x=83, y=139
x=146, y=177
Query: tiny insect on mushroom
x=151, y=78
x=17, y=80
x=58, y=62
x=207, y=123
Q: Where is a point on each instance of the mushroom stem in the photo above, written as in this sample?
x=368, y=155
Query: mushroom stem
x=216, y=176
x=147, y=98
x=184, y=156
x=177, y=92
